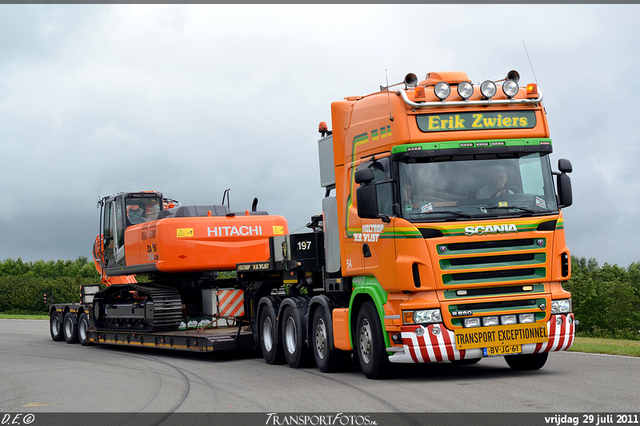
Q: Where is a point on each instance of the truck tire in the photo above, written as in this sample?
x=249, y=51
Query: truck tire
x=527, y=361
x=370, y=347
x=295, y=351
x=328, y=360
x=271, y=350
x=70, y=328
x=83, y=325
x=55, y=326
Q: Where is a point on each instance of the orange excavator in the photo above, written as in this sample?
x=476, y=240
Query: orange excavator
x=180, y=250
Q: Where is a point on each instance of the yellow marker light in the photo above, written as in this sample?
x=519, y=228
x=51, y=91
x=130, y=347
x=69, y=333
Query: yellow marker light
x=419, y=94
x=407, y=317
x=532, y=90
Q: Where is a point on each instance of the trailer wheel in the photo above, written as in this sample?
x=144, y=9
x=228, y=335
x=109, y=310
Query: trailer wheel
x=372, y=355
x=295, y=351
x=527, y=361
x=328, y=360
x=55, y=326
x=83, y=325
x=271, y=350
x=70, y=328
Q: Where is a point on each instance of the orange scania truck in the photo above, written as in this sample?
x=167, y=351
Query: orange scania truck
x=441, y=238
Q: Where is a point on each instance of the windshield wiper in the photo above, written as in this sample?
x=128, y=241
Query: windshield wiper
x=524, y=209
x=465, y=215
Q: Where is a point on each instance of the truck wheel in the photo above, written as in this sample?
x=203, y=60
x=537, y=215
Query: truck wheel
x=327, y=360
x=70, y=328
x=55, y=326
x=83, y=325
x=372, y=355
x=527, y=362
x=271, y=350
x=295, y=351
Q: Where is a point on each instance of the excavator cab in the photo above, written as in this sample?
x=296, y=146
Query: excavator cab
x=117, y=213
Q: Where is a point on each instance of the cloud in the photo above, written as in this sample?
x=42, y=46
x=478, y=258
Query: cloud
x=193, y=99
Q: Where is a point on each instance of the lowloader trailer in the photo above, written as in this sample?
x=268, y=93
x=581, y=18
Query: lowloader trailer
x=441, y=238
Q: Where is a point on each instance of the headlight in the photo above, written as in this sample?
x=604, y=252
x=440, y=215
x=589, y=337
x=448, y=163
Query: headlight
x=471, y=322
x=561, y=306
x=442, y=90
x=526, y=318
x=510, y=88
x=488, y=89
x=508, y=319
x=465, y=90
x=426, y=316
x=489, y=321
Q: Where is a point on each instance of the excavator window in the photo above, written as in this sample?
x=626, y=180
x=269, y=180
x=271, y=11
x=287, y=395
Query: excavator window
x=142, y=209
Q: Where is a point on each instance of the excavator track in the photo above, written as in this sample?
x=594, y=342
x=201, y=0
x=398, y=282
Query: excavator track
x=137, y=308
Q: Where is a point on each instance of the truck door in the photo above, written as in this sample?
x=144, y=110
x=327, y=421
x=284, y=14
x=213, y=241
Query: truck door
x=113, y=232
x=376, y=238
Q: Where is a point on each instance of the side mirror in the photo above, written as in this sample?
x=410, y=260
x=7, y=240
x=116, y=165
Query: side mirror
x=565, y=194
x=367, y=199
x=364, y=175
x=564, y=165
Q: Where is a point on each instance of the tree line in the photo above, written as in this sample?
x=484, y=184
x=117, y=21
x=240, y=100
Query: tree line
x=606, y=299
x=23, y=285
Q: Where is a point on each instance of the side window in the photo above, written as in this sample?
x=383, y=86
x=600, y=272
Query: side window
x=108, y=223
x=119, y=221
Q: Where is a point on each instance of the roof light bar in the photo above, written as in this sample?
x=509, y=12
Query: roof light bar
x=442, y=90
x=488, y=89
x=465, y=90
x=510, y=88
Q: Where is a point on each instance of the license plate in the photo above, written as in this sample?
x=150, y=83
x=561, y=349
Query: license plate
x=502, y=350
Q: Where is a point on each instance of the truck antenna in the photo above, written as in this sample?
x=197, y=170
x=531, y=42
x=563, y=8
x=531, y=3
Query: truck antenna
x=388, y=94
x=530, y=64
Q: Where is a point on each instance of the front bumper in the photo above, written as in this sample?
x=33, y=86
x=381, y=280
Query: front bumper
x=434, y=342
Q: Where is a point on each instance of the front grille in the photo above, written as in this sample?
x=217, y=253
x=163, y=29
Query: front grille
x=490, y=245
x=509, y=304
x=485, y=262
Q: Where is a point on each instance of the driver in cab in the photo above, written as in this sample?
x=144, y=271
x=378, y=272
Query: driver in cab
x=497, y=188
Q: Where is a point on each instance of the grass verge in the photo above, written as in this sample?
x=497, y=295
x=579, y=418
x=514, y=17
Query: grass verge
x=27, y=317
x=606, y=346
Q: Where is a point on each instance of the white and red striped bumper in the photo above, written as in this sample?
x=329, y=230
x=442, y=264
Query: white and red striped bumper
x=436, y=343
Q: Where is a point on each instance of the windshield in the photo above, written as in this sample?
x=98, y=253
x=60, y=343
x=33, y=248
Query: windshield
x=476, y=186
x=142, y=209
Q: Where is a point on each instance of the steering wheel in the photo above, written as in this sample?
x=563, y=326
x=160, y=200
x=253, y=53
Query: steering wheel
x=513, y=189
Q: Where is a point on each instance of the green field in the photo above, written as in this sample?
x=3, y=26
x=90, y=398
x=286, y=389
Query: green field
x=606, y=346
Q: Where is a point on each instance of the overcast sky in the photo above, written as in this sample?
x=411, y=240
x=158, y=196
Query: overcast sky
x=191, y=100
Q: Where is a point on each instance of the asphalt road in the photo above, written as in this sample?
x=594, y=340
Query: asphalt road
x=40, y=375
